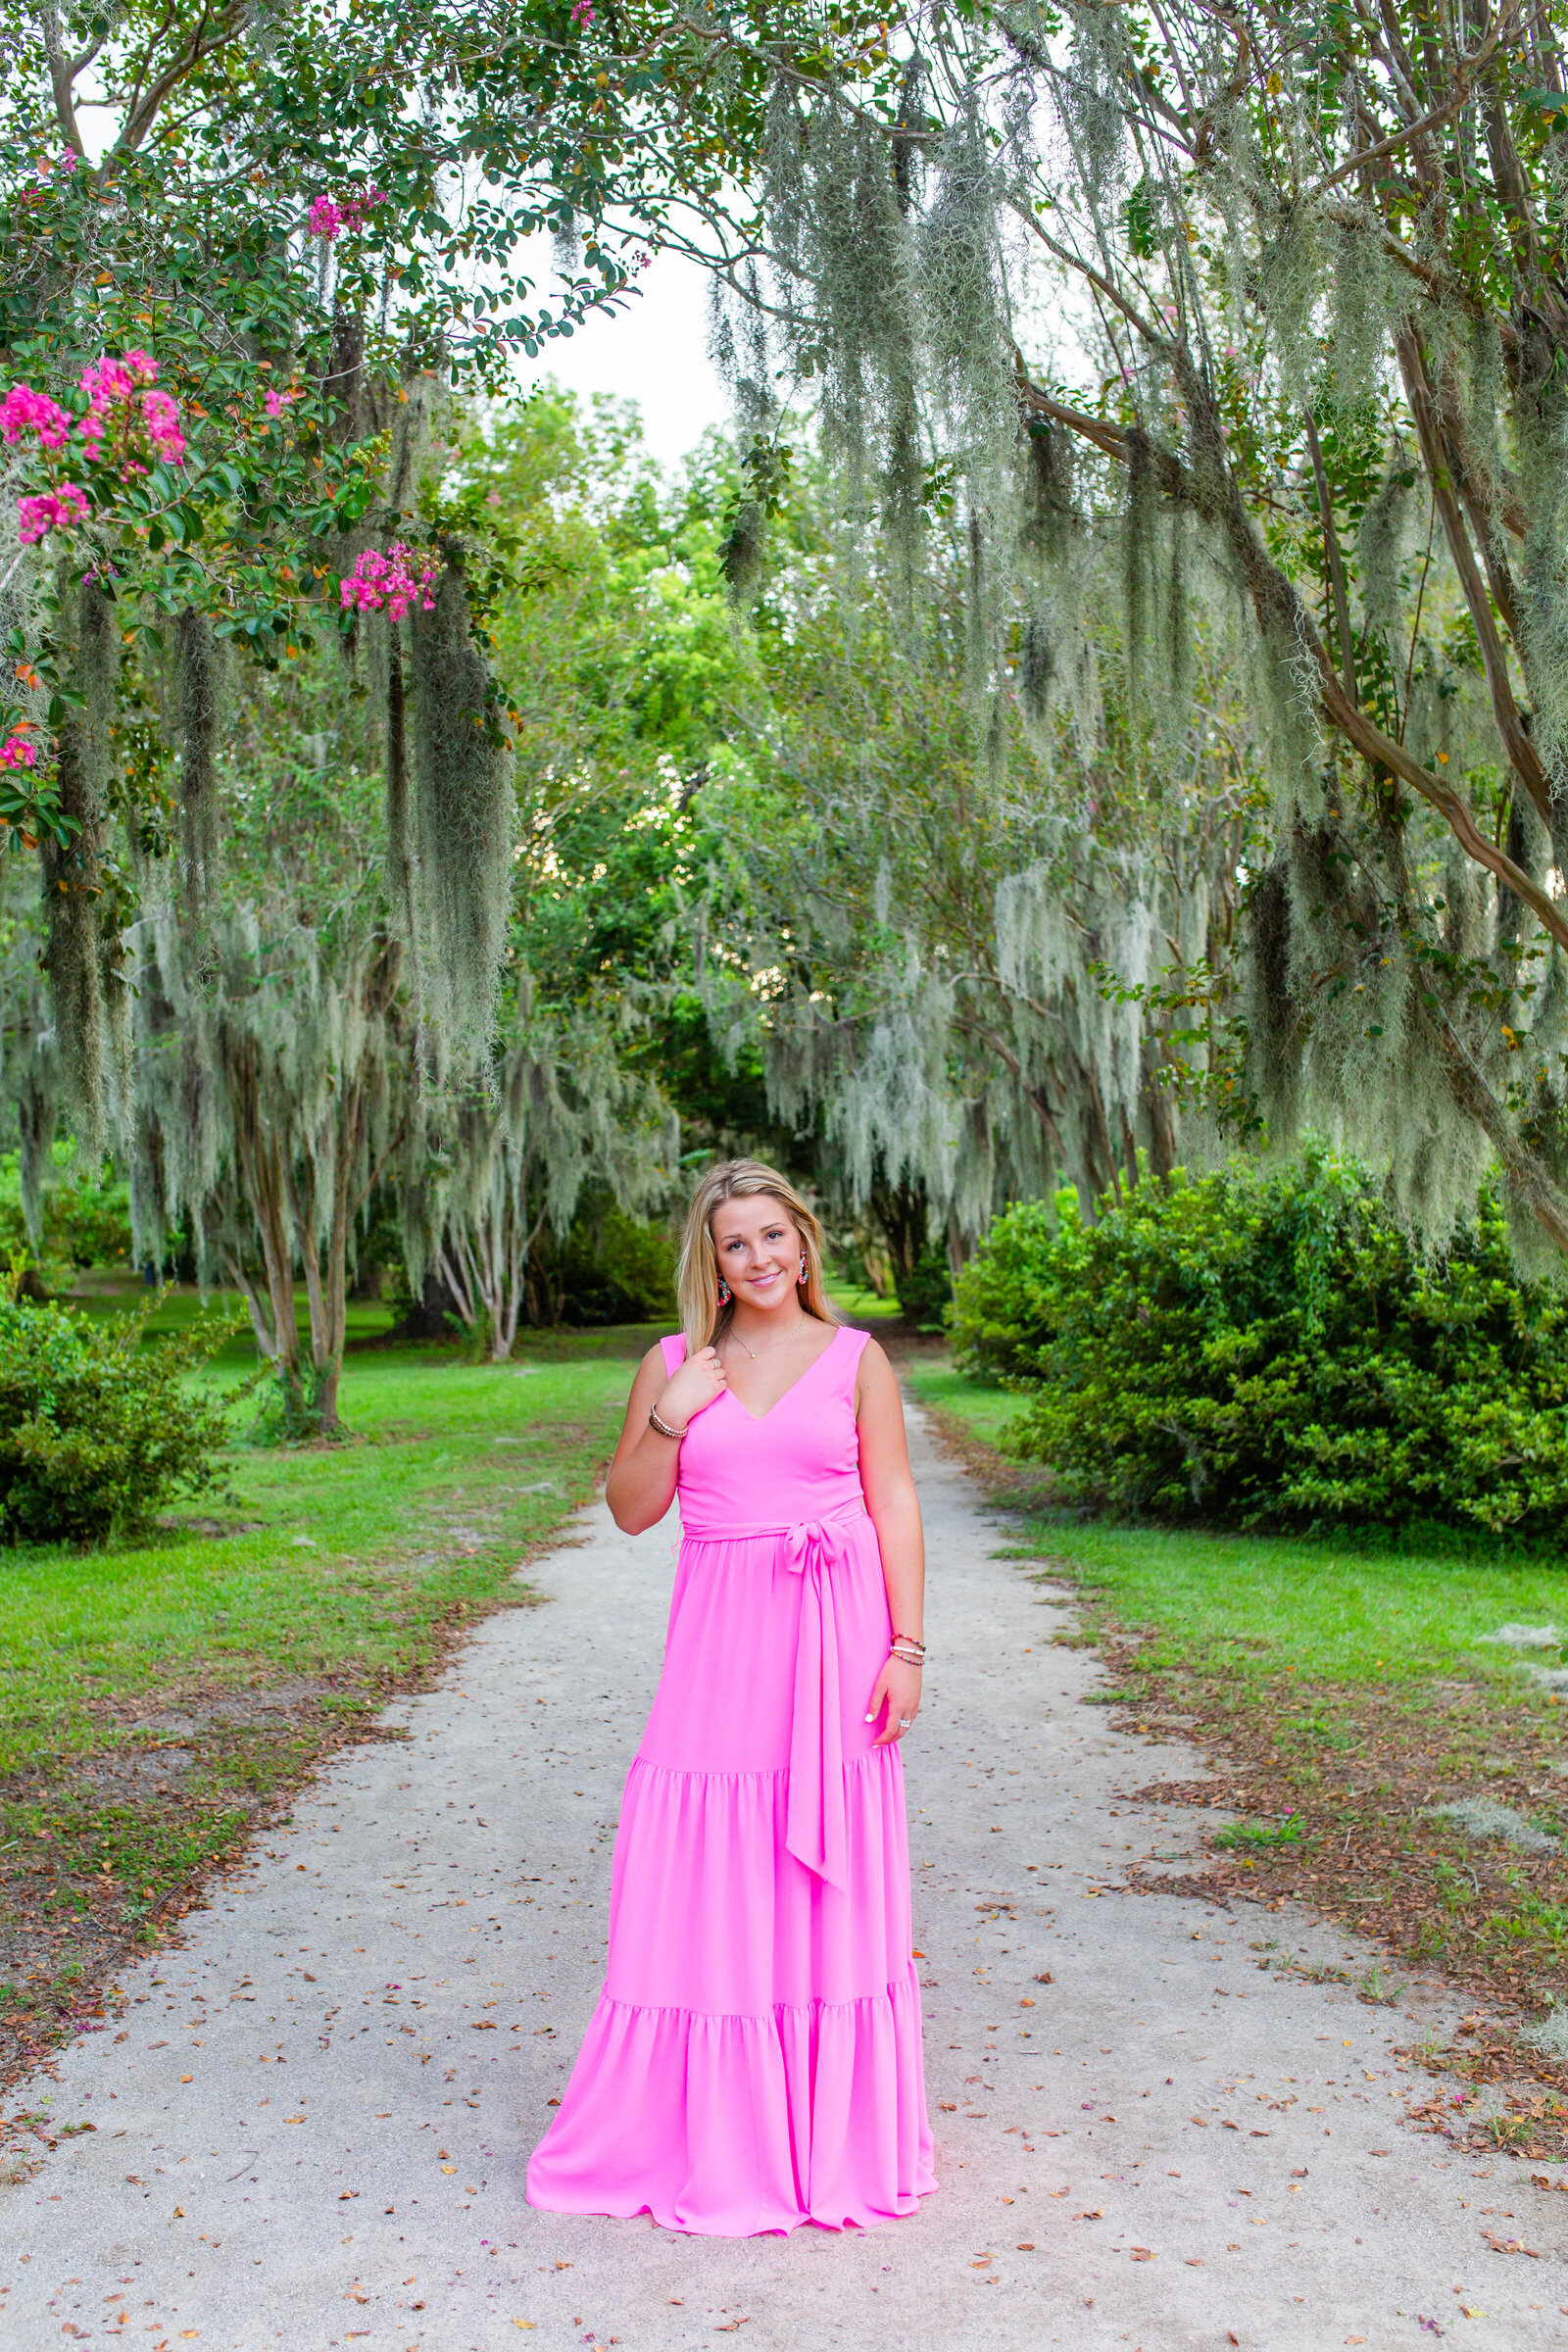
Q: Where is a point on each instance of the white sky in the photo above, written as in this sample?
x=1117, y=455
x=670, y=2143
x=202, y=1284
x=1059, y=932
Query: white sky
x=654, y=351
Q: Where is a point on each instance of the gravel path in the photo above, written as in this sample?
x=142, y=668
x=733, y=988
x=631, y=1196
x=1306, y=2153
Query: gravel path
x=312, y=2120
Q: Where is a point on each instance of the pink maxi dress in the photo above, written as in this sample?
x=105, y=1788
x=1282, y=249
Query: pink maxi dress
x=755, y=2058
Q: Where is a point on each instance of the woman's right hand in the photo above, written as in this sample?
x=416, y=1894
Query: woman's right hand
x=698, y=1383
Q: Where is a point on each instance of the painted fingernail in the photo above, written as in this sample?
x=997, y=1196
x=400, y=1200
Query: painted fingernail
x=870, y=1719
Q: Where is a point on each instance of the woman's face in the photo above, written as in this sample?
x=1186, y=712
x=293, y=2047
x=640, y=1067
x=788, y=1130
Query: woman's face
x=758, y=1250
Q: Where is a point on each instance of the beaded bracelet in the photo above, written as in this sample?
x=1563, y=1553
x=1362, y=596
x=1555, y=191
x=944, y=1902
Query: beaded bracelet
x=663, y=1427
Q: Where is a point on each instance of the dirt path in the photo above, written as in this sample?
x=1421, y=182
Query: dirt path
x=310, y=2122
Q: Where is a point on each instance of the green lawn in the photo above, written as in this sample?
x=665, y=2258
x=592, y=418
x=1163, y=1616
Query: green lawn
x=153, y=1696
x=1350, y=1688
x=1315, y=1606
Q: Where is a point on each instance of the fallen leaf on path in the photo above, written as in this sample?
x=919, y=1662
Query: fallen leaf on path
x=1141, y=2253
x=1096, y=2213
x=947, y=2106
x=1027, y=2247
x=186, y=2077
x=449, y=2168
x=525, y=2322
x=1510, y=2245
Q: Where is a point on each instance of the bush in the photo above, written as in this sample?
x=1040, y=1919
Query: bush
x=611, y=1268
x=924, y=1291
x=1276, y=1351
x=85, y=1222
x=97, y=1433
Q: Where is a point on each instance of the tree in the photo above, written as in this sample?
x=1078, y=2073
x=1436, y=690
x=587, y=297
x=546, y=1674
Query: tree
x=950, y=915
x=1309, y=289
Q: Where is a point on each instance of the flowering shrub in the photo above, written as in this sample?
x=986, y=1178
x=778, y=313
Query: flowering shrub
x=387, y=583
x=330, y=216
x=51, y=511
x=130, y=425
x=19, y=751
x=23, y=410
x=145, y=419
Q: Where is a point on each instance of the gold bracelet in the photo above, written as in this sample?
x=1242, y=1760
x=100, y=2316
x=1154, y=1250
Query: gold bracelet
x=663, y=1427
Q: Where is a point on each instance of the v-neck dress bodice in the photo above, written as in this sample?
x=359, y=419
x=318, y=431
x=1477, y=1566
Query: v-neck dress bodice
x=802, y=1456
x=755, y=2061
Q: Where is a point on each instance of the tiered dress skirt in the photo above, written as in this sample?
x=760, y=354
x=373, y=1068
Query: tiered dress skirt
x=754, y=2059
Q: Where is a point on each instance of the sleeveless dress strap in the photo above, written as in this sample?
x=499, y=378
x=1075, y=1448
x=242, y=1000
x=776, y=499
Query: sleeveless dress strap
x=849, y=1355
x=673, y=1351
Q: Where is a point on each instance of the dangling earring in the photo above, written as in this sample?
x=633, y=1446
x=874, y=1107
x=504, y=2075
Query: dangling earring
x=803, y=1269
x=724, y=1292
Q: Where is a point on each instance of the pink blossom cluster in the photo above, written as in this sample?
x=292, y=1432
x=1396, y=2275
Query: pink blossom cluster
x=51, y=511
x=582, y=12
x=276, y=401
x=20, y=751
x=48, y=165
x=329, y=215
x=388, y=583
x=112, y=384
x=23, y=410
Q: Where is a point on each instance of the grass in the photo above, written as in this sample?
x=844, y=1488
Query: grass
x=1348, y=1689
x=155, y=1701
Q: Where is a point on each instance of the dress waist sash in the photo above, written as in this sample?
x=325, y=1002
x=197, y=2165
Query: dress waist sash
x=817, y=1817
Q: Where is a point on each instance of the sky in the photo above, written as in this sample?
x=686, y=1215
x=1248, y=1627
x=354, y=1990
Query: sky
x=654, y=351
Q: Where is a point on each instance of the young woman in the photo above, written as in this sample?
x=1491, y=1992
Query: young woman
x=754, y=2059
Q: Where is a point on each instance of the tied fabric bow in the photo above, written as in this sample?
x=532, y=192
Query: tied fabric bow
x=816, y=1821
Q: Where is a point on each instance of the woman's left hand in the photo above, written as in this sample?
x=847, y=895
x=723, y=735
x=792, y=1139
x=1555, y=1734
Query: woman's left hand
x=898, y=1688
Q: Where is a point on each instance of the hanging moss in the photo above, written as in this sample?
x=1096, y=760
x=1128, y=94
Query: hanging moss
x=402, y=892
x=464, y=826
x=196, y=698
x=74, y=876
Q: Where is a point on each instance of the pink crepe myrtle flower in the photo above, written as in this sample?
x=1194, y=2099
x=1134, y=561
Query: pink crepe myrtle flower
x=329, y=215
x=107, y=381
x=51, y=511
x=20, y=751
x=23, y=410
x=387, y=583
x=160, y=416
x=145, y=415
x=582, y=12
x=276, y=401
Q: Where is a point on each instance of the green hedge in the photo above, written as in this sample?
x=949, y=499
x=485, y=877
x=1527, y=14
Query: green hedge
x=1276, y=1351
x=98, y=1431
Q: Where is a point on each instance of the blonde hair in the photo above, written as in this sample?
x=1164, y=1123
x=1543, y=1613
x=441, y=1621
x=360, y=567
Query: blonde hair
x=702, y=1319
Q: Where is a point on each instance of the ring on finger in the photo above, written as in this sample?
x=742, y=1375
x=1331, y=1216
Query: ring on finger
x=905, y=1723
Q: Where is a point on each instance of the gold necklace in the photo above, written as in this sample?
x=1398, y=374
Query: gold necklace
x=733, y=1334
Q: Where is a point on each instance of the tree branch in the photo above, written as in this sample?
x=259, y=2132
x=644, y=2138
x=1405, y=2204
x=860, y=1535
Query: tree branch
x=1522, y=753
x=1210, y=490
